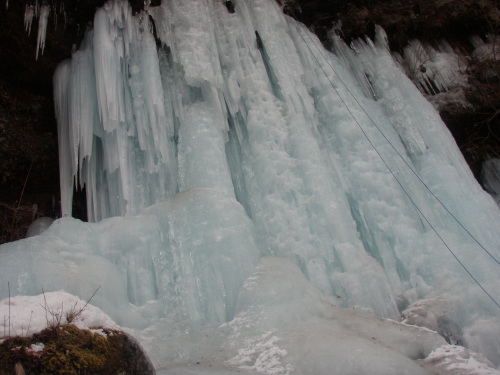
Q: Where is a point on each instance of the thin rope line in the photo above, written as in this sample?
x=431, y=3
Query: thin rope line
x=392, y=146
x=389, y=169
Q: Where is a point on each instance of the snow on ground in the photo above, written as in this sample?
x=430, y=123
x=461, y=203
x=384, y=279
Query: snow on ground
x=25, y=315
x=455, y=359
x=246, y=91
x=200, y=369
x=293, y=335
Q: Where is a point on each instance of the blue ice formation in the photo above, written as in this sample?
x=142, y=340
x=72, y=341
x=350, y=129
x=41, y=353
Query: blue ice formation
x=245, y=186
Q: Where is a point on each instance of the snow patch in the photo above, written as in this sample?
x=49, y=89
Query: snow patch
x=457, y=360
x=25, y=315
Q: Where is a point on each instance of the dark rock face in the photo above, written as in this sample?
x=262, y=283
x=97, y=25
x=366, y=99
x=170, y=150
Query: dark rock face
x=28, y=137
x=137, y=363
x=403, y=20
x=29, y=174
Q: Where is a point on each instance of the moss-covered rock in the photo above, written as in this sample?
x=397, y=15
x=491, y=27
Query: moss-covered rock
x=69, y=350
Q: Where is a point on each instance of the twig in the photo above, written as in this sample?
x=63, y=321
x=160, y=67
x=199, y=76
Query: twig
x=29, y=323
x=92, y=296
x=45, y=308
x=73, y=314
x=20, y=198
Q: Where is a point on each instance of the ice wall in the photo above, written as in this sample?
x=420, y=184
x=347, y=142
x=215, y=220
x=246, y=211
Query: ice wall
x=184, y=259
x=221, y=138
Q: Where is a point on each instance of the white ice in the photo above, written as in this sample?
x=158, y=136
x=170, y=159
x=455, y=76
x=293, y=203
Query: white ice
x=39, y=226
x=42, y=28
x=283, y=325
x=29, y=14
x=232, y=139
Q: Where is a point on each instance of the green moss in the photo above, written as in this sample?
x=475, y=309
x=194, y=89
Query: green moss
x=67, y=350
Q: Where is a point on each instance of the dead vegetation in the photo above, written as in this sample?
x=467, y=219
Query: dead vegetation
x=483, y=134
x=28, y=162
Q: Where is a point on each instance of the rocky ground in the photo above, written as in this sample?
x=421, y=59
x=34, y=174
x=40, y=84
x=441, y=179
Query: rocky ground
x=28, y=131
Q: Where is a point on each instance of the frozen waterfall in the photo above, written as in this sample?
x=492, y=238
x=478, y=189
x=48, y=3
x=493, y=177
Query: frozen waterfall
x=247, y=187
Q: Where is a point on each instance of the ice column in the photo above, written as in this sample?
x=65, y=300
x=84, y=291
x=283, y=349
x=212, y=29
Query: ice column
x=249, y=105
x=42, y=27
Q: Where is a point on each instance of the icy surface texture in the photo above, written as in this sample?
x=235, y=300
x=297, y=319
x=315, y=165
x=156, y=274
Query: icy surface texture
x=457, y=360
x=184, y=260
x=281, y=314
x=39, y=226
x=208, y=140
x=285, y=325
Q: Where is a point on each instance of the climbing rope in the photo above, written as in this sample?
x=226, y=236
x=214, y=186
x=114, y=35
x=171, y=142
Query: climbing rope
x=389, y=169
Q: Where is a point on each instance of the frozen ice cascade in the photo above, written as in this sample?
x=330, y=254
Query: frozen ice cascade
x=242, y=218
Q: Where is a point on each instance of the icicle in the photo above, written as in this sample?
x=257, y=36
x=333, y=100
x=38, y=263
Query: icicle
x=29, y=13
x=61, y=100
x=62, y=10
x=277, y=143
x=42, y=28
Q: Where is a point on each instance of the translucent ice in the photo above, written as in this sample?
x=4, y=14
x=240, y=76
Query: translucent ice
x=39, y=226
x=184, y=259
x=42, y=27
x=207, y=140
x=29, y=14
x=283, y=325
